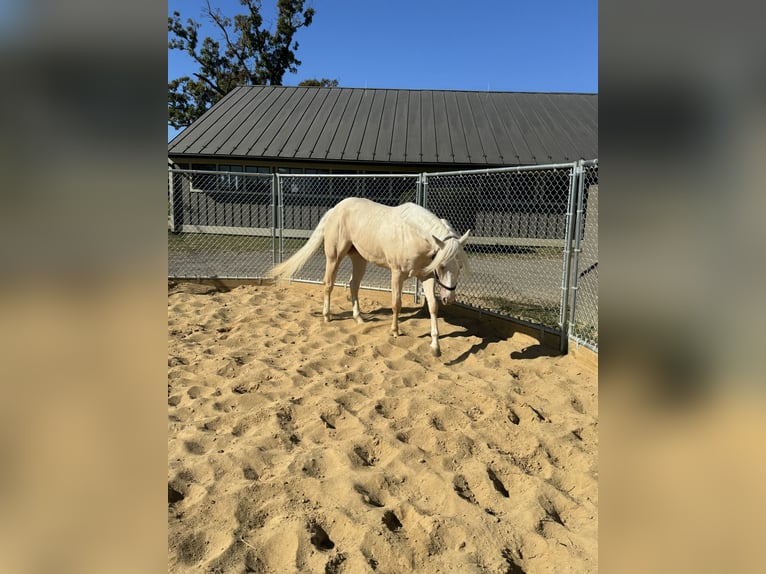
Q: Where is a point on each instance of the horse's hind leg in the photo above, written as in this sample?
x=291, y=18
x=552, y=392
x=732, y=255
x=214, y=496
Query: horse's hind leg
x=331, y=270
x=359, y=267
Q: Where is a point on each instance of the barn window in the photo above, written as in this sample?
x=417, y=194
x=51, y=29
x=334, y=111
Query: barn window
x=229, y=181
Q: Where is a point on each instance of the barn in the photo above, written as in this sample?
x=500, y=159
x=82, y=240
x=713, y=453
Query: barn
x=289, y=129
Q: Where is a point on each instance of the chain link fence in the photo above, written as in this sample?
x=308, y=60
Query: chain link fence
x=533, y=249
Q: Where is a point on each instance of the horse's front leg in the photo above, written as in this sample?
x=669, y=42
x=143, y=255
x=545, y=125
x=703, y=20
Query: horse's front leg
x=359, y=266
x=433, y=309
x=397, y=281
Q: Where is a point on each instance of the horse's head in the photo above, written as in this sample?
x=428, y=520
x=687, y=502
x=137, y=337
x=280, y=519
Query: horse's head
x=447, y=264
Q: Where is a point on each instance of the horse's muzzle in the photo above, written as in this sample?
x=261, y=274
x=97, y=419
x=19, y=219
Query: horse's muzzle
x=447, y=291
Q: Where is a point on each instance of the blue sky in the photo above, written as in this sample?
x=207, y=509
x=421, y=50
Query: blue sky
x=499, y=45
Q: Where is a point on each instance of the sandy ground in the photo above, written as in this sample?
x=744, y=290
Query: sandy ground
x=300, y=446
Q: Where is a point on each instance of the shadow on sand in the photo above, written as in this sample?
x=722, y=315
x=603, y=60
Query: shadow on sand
x=471, y=327
x=489, y=334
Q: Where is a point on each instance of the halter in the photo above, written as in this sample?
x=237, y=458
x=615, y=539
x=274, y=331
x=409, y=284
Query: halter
x=442, y=285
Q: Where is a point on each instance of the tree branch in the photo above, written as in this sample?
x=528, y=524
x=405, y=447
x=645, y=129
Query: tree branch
x=211, y=84
x=219, y=21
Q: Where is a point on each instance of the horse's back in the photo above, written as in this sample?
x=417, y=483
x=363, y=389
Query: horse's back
x=360, y=204
x=366, y=212
x=356, y=218
x=362, y=211
x=381, y=234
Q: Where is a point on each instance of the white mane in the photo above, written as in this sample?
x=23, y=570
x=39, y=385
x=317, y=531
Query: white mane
x=425, y=220
x=431, y=225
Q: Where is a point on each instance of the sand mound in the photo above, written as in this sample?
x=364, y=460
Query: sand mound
x=300, y=446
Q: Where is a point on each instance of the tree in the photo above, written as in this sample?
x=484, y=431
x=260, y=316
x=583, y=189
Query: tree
x=323, y=83
x=248, y=55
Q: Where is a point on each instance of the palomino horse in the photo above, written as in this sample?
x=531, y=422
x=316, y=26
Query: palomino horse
x=408, y=239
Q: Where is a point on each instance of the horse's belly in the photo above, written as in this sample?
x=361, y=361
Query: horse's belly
x=372, y=256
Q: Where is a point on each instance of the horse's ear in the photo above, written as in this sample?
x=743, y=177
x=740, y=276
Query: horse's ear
x=439, y=243
x=465, y=236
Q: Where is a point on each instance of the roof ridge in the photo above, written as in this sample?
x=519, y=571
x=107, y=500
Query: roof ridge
x=424, y=90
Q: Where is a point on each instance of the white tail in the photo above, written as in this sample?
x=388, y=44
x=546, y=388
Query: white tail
x=290, y=267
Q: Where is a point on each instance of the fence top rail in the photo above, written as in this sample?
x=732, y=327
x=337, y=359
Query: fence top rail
x=569, y=165
x=208, y=172
x=350, y=175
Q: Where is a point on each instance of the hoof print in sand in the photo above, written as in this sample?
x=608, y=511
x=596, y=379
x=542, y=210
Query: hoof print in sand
x=499, y=486
x=391, y=521
x=174, y=495
x=368, y=497
x=333, y=565
x=364, y=457
x=551, y=515
x=513, y=567
x=328, y=420
x=319, y=538
x=463, y=490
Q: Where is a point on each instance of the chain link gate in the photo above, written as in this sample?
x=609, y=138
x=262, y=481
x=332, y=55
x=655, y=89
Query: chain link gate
x=583, y=305
x=221, y=224
x=517, y=248
x=533, y=249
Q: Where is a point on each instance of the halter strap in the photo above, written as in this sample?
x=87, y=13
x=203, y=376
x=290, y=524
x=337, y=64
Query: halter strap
x=442, y=285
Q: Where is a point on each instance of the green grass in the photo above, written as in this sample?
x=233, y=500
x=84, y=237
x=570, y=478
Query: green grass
x=586, y=332
x=534, y=313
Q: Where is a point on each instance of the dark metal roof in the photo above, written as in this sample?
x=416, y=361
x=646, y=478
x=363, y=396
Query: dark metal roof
x=395, y=126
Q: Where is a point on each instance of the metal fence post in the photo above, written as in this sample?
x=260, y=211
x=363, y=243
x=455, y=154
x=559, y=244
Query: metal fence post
x=576, y=252
x=171, y=202
x=274, y=217
x=280, y=211
x=574, y=176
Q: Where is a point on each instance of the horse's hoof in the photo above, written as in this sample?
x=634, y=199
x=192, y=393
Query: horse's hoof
x=436, y=352
x=327, y=318
x=359, y=320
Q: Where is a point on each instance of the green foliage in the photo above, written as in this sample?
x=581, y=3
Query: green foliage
x=323, y=83
x=543, y=313
x=247, y=54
